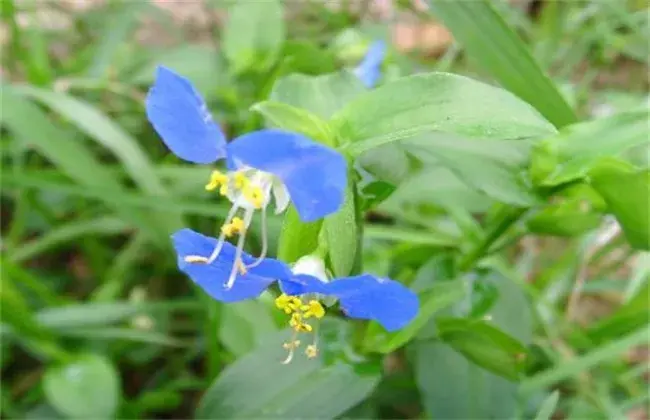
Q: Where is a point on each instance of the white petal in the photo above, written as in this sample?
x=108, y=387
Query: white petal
x=281, y=196
x=311, y=265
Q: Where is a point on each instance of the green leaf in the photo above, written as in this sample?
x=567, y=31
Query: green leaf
x=297, y=238
x=571, y=153
x=321, y=95
x=629, y=317
x=87, y=387
x=201, y=64
x=574, y=211
x=101, y=314
x=66, y=233
x=478, y=162
x=290, y=118
x=485, y=345
x=548, y=406
x=436, y=298
x=563, y=220
x=389, y=163
x=626, y=190
x=28, y=123
x=341, y=231
x=258, y=385
x=439, y=102
x=254, y=34
x=410, y=236
x=122, y=201
x=102, y=129
x=435, y=186
x=609, y=351
x=496, y=47
x=16, y=311
x=451, y=387
x=243, y=324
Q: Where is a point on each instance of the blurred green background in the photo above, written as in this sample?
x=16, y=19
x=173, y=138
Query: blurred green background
x=97, y=322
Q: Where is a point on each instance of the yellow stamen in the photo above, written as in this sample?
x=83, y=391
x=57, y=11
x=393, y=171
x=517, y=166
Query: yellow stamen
x=296, y=320
x=313, y=308
x=288, y=304
x=282, y=302
x=234, y=227
x=241, y=267
x=240, y=180
x=254, y=195
x=299, y=312
x=291, y=345
x=216, y=179
x=311, y=351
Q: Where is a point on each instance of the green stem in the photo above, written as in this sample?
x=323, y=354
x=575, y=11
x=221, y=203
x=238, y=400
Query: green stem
x=504, y=221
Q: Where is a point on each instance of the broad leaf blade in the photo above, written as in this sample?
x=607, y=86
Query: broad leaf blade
x=297, y=238
x=320, y=95
x=626, y=191
x=436, y=102
x=570, y=154
x=290, y=118
x=87, y=387
x=497, y=48
x=489, y=166
x=341, y=231
x=259, y=385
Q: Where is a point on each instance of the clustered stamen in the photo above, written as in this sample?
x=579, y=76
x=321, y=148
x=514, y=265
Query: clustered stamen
x=236, y=185
x=300, y=312
x=234, y=227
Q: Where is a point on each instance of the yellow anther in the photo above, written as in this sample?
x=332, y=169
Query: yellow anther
x=294, y=303
x=216, y=179
x=298, y=325
x=234, y=227
x=311, y=351
x=195, y=259
x=241, y=267
x=240, y=180
x=254, y=195
x=238, y=224
x=288, y=304
x=291, y=345
x=313, y=308
x=296, y=320
x=224, y=189
x=282, y=302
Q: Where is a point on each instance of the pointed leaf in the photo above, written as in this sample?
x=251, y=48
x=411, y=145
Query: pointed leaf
x=436, y=102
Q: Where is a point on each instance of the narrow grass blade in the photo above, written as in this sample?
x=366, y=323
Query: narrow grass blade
x=594, y=358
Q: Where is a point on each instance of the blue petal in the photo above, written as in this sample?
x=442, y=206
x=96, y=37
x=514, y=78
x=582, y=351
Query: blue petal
x=383, y=300
x=181, y=118
x=300, y=284
x=315, y=175
x=369, y=70
x=212, y=277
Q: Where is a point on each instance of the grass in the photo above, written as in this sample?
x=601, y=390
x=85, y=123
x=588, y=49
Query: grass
x=90, y=196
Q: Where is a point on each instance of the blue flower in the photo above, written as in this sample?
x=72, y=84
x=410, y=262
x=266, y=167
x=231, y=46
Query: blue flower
x=252, y=280
x=369, y=69
x=261, y=165
x=386, y=301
